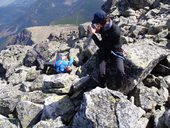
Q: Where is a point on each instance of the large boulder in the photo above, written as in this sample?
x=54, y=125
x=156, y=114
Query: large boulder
x=58, y=106
x=28, y=113
x=141, y=58
x=9, y=97
x=59, y=83
x=103, y=108
x=12, y=57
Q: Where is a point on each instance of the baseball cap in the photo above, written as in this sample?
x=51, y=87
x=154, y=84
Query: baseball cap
x=99, y=17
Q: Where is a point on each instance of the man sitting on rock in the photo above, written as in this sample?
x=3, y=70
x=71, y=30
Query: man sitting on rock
x=58, y=66
x=109, y=46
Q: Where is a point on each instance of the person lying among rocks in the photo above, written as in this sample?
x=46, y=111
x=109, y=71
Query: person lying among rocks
x=58, y=66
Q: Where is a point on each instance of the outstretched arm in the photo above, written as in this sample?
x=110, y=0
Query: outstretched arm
x=70, y=61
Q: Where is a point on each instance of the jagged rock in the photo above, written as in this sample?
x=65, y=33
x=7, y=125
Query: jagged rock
x=137, y=30
x=37, y=97
x=168, y=24
x=44, y=52
x=124, y=112
x=39, y=53
x=57, y=123
x=137, y=66
x=167, y=79
x=159, y=118
x=93, y=114
x=126, y=40
x=168, y=60
x=56, y=106
x=9, y=97
x=148, y=98
x=53, y=37
x=59, y=83
x=22, y=74
x=142, y=123
x=37, y=84
x=5, y=123
x=107, y=6
x=23, y=38
x=82, y=31
x=162, y=70
x=152, y=80
x=18, y=77
x=13, y=56
x=28, y=113
x=141, y=4
x=31, y=75
x=167, y=118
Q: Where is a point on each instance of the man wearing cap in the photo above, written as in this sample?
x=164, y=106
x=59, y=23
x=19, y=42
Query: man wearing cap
x=109, y=46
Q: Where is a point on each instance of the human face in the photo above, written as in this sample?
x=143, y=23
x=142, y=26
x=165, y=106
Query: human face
x=97, y=26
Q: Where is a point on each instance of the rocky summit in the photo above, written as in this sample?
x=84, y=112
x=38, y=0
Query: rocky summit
x=30, y=98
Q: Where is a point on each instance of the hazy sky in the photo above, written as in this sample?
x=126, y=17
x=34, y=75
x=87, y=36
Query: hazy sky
x=5, y=2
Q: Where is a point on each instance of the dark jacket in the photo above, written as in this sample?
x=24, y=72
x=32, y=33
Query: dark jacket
x=110, y=39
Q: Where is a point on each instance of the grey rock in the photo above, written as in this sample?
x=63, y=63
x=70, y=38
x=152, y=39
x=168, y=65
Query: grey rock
x=37, y=84
x=168, y=24
x=124, y=110
x=37, y=97
x=159, y=117
x=137, y=64
x=57, y=123
x=61, y=83
x=5, y=123
x=93, y=114
x=14, y=54
x=9, y=97
x=142, y=123
x=141, y=4
x=167, y=80
x=56, y=106
x=28, y=113
x=167, y=118
x=148, y=98
x=116, y=108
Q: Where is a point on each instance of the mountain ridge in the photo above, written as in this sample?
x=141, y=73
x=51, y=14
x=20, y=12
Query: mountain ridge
x=40, y=12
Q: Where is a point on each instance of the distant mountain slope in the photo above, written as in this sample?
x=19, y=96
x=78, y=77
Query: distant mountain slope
x=26, y=13
x=81, y=12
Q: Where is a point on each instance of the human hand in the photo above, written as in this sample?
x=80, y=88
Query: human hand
x=91, y=30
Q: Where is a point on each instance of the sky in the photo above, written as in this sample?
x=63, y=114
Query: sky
x=5, y=2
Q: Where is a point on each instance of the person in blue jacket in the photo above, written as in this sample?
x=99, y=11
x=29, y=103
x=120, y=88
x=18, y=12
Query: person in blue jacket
x=59, y=65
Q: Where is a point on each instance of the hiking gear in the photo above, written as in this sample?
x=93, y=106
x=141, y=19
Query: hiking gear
x=99, y=17
x=117, y=54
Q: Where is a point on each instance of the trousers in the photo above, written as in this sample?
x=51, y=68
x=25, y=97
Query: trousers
x=118, y=64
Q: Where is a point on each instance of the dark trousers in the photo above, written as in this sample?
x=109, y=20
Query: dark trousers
x=117, y=62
